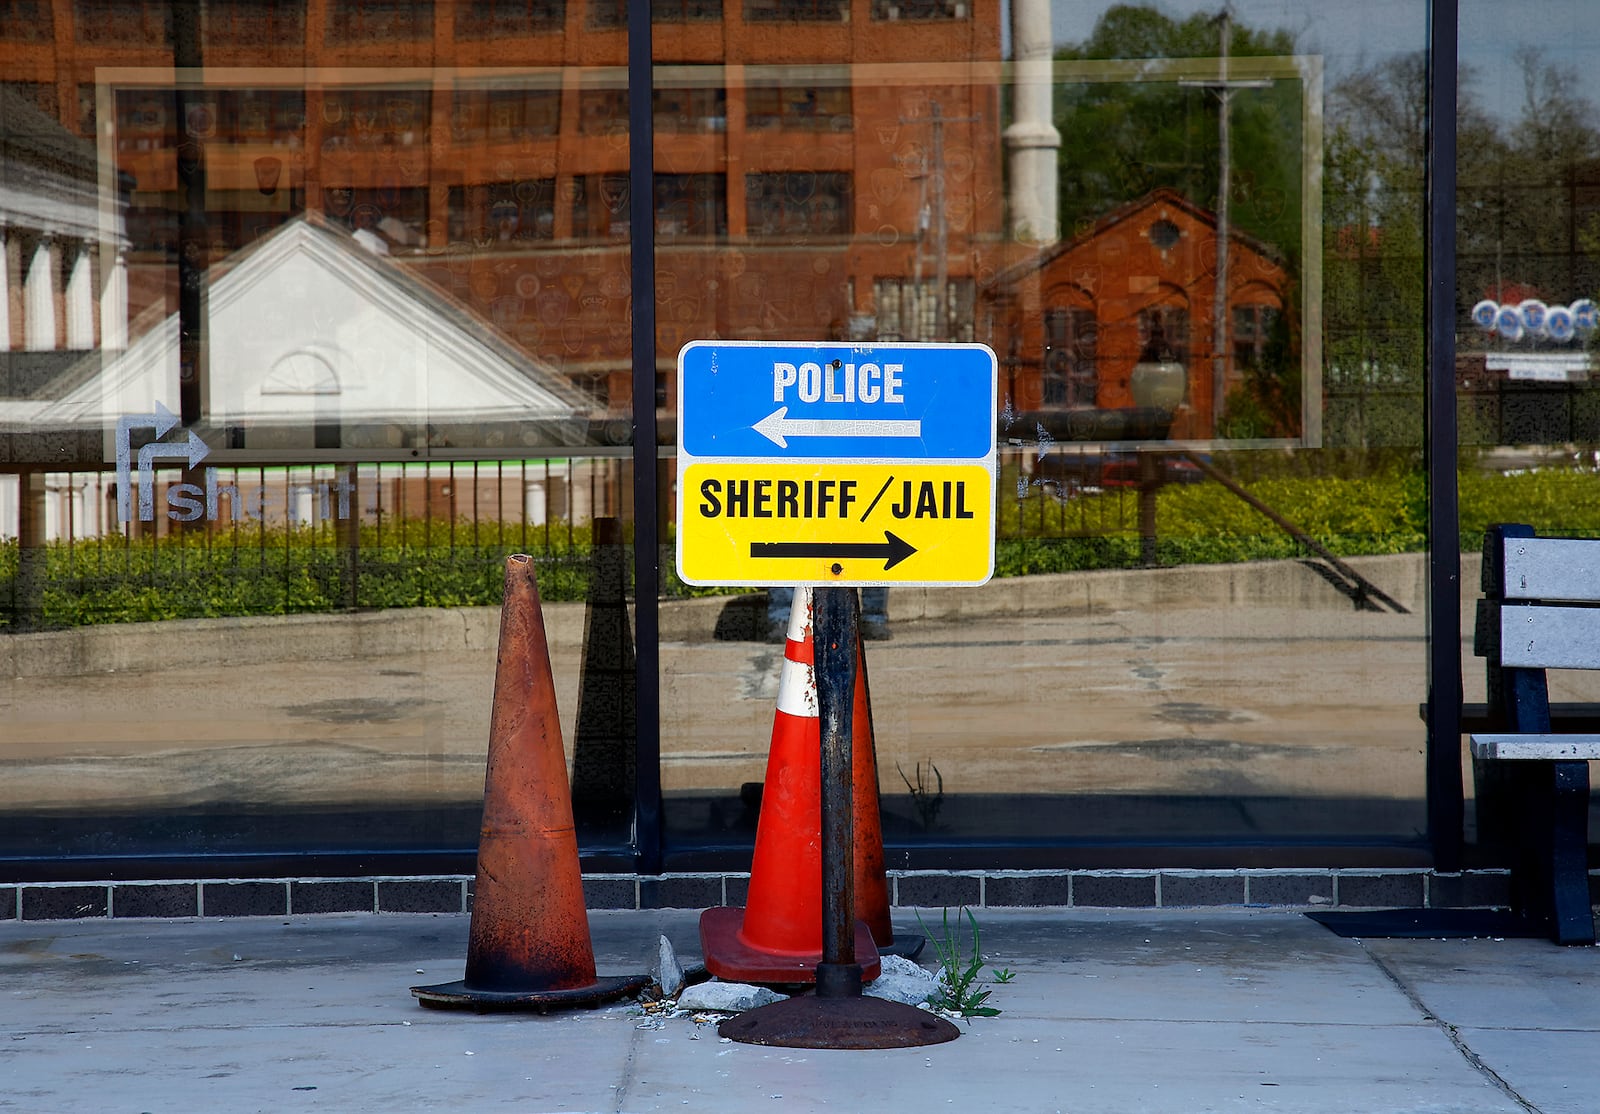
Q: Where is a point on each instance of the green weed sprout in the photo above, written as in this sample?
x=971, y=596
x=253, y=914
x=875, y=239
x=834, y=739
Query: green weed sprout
x=961, y=989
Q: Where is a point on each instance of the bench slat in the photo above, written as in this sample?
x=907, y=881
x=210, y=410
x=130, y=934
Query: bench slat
x=1547, y=748
x=1540, y=636
x=1552, y=569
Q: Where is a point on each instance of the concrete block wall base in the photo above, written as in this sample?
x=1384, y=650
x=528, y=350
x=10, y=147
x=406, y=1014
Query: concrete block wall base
x=997, y=889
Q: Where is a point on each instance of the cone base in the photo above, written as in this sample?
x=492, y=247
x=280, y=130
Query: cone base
x=812, y=1022
x=460, y=996
x=728, y=957
x=906, y=945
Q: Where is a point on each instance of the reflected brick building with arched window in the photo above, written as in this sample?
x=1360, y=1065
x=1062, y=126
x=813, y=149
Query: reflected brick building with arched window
x=1139, y=287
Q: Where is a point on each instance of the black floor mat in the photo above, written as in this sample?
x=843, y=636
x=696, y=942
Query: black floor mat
x=1419, y=924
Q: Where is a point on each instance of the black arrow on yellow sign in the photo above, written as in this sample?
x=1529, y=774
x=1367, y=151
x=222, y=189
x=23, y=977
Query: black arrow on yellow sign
x=893, y=550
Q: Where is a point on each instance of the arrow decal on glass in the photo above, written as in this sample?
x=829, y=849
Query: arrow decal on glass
x=777, y=427
x=193, y=451
x=162, y=420
x=893, y=550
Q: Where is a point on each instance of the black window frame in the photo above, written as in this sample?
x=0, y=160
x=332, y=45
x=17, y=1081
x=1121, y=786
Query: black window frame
x=648, y=854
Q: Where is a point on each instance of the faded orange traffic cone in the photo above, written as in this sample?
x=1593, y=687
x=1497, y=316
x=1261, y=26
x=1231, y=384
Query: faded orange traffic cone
x=777, y=936
x=529, y=945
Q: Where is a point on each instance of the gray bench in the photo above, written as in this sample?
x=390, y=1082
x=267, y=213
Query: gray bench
x=1539, y=612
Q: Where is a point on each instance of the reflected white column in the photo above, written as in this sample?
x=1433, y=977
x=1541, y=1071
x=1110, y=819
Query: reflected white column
x=114, y=301
x=9, y=492
x=39, y=296
x=55, y=510
x=80, y=302
x=1032, y=141
x=533, y=504
x=5, y=292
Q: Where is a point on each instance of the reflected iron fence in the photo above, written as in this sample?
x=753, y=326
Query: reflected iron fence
x=273, y=540
x=283, y=539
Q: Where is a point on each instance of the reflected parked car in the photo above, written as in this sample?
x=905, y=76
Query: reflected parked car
x=1122, y=470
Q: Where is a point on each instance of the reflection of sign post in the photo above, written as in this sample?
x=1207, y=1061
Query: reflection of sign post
x=835, y=463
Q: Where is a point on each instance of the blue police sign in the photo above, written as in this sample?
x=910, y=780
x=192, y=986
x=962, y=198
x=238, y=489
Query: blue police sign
x=836, y=401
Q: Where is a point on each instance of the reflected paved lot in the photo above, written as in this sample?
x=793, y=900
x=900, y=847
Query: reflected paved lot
x=1193, y=697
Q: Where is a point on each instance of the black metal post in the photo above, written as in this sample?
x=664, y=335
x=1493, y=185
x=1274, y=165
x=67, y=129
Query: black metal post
x=648, y=839
x=836, y=617
x=1150, y=469
x=194, y=239
x=838, y=1015
x=1446, y=806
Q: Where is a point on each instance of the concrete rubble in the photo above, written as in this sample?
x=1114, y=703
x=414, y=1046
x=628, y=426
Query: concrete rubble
x=715, y=996
x=902, y=981
x=668, y=971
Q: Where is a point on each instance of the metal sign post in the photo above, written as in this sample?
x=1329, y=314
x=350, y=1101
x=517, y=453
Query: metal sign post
x=836, y=466
x=838, y=1015
x=836, y=617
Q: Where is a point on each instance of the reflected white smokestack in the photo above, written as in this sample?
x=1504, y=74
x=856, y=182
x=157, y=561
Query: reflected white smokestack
x=40, y=297
x=1032, y=140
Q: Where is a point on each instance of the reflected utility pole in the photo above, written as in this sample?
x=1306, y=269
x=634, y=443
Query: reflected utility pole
x=1224, y=88
x=941, y=223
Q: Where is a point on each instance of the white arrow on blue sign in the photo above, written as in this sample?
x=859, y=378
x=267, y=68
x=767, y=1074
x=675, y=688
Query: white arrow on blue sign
x=740, y=399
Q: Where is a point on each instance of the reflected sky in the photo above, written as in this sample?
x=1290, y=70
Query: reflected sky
x=1352, y=34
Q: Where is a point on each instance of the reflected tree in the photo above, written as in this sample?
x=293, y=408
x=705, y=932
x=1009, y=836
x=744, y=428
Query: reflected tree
x=1157, y=125
x=1528, y=226
x=1372, y=264
x=1530, y=193
x=1122, y=139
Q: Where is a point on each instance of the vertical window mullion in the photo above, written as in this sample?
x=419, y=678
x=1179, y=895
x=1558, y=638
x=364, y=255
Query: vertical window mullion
x=648, y=850
x=1446, y=808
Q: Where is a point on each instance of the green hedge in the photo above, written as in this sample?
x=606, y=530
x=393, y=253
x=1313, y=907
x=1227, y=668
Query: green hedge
x=279, y=571
x=1204, y=523
x=283, y=571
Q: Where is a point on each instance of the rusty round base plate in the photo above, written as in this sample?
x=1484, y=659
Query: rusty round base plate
x=905, y=945
x=460, y=996
x=812, y=1022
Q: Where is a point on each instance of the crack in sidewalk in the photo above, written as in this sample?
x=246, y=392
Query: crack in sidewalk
x=1452, y=1034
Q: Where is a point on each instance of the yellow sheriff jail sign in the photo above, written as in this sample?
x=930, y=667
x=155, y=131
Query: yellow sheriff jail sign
x=824, y=522
x=827, y=463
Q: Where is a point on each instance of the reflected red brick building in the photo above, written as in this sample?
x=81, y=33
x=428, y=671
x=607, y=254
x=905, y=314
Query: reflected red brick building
x=1079, y=326
x=821, y=165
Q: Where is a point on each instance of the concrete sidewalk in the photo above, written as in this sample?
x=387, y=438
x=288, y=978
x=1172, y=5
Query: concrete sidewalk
x=1117, y=1011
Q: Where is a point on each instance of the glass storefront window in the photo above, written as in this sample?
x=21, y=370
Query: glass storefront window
x=296, y=349
x=1198, y=259
x=312, y=312
x=1528, y=274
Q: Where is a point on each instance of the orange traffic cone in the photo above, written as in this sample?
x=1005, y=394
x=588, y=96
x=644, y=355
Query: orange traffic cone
x=777, y=936
x=529, y=945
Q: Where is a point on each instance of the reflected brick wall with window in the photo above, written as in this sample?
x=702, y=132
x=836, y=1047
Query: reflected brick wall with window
x=483, y=147
x=27, y=21
x=358, y=21
x=481, y=19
